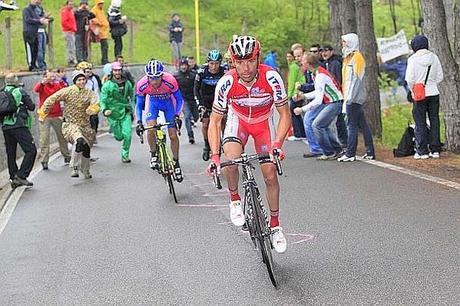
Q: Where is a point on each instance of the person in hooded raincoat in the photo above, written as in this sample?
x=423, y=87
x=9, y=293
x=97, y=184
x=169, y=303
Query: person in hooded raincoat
x=354, y=96
x=117, y=104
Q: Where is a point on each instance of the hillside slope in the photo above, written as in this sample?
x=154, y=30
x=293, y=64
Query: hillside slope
x=277, y=23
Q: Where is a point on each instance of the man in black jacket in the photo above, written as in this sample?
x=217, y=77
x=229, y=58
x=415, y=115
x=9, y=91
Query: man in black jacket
x=16, y=131
x=176, y=30
x=186, y=79
x=31, y=22
x=82, y=15
x=118, y=28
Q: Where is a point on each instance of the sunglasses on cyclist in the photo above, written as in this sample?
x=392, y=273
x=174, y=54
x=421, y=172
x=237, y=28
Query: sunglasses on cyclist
x=154, y=78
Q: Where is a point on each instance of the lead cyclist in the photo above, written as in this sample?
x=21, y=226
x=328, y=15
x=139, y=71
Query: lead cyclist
x=248, y=96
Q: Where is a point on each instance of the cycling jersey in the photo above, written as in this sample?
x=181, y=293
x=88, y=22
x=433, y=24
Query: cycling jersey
x=249, y=109
x=205, y=85
x=166, y=98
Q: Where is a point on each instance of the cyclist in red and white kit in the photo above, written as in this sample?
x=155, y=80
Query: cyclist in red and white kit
x=248, y=96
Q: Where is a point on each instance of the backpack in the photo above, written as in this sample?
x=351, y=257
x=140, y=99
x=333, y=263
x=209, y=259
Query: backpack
x=8, y=104
x=406, y=146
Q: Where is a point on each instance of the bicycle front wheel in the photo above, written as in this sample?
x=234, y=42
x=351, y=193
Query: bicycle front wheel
x=171, y=187
x=262, y=232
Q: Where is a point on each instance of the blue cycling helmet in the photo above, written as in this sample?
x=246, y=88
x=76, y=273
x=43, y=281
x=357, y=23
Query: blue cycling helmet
x=154, y=68
x=214, y=55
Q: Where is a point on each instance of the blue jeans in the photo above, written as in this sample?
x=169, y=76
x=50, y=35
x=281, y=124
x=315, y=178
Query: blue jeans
x=322, y=124
x=342, y=133
x=190, y=112
x=41, y=51
x=357, y=120
x=307, y=123
x=297, y=126
x=423, y=137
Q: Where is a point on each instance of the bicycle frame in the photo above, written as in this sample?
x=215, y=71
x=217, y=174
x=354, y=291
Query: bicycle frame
x=253, y=206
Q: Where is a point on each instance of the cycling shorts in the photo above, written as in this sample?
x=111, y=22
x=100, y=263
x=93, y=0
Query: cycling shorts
x=237, y=130
x=166, y=107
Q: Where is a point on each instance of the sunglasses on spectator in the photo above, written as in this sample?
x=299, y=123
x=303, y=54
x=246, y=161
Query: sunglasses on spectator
x=314, y=50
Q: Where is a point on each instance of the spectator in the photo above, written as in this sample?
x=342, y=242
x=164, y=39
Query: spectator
x=61, y=77
x=79, y=104
x=82, y=17
x=295, y=76
x=333, y=63
x=126, y=73
x=42, y=35
x=45, y=88
x=16, y=130
x=316, y=50
x=270, y=59
x=314, y=149
x=100, y=26
x=186, y=78
x=192, y=64
x=118, y=26
x=69, y=28
x=354, y=94
x=424, y=66
x=176, y=30
x=327, y=93
x=117, y=103
x=31, y=22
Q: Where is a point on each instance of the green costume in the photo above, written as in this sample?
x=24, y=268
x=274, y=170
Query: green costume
x=118, y=97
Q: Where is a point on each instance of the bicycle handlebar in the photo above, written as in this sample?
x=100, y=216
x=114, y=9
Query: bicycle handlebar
x=159, y=126
x=246, y=159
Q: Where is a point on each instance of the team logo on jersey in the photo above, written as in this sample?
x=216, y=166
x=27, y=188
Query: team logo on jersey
x=276, y=87
x=222, y=90
x=256, y=91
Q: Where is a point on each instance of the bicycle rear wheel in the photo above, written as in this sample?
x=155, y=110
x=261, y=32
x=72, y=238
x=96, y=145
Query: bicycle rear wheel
x=262, y=232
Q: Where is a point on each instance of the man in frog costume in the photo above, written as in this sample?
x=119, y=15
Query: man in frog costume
x=116, y=102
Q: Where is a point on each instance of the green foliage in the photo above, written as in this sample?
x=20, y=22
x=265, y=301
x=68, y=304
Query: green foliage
x=276, y=23
x=394, y=122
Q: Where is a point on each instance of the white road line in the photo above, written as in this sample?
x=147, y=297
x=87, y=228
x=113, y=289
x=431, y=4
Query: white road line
x=10, y=205
x=414, y=173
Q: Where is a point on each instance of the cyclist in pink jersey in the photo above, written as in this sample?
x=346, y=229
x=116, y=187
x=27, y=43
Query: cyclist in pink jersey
x=165, y=96
x=248, y=94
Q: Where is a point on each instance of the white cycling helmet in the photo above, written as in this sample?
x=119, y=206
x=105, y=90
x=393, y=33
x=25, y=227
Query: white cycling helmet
x=244, y=47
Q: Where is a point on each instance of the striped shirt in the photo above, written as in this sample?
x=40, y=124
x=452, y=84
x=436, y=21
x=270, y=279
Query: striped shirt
x=327, y=90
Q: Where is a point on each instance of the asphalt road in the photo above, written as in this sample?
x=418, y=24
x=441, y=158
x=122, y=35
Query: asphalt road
x=357, y=234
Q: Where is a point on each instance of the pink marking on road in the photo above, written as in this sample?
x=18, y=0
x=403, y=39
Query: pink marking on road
x=304, y=237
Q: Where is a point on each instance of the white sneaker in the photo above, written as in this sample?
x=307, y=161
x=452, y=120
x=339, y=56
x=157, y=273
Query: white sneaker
x=422, y=156
x=153, y=162
x=434, y=155
x=236, y=213
x=345, y=158
x=292, y=138
x=278, y=239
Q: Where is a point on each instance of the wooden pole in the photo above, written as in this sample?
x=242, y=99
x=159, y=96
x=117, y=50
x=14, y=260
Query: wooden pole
x=8, y=52
x=51, y=43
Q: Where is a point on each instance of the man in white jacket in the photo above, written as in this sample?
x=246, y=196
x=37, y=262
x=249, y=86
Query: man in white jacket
x=421, y=63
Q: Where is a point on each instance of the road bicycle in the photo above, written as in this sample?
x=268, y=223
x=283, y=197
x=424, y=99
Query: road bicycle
x=166, y=164
x=253, y=207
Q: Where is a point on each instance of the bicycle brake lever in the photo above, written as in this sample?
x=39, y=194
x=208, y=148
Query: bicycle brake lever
x=215, y=177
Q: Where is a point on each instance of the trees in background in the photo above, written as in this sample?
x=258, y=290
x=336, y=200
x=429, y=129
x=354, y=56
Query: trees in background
x=447, y=48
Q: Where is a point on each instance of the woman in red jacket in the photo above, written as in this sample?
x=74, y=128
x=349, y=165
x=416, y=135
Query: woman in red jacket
x=46, y=88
